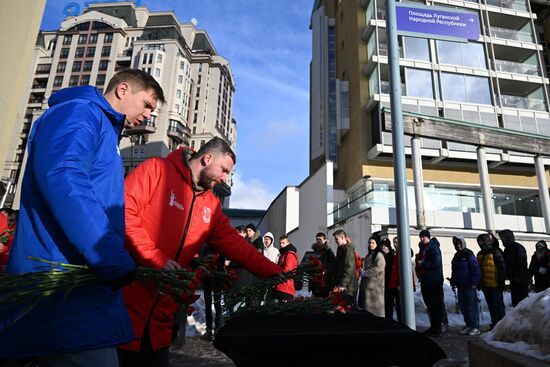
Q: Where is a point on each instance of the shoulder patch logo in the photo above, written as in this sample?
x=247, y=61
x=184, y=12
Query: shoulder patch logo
x=206, y=214
x=172, y=201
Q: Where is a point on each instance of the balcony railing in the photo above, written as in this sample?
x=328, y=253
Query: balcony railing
x=383, y=50
x=510, y=34
x=39, y=86
x=523, y=103
x=176, y=132
x=385, y=88
x=516, y=67
x=146, y=127
x=509, y=4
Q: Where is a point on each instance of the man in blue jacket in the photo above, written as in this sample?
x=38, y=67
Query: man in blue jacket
x=72, y=211
x=429, y=267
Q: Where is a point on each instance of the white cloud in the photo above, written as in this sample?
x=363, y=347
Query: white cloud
x=251, y=194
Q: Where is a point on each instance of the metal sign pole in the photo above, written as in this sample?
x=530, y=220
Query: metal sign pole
x=407, y=299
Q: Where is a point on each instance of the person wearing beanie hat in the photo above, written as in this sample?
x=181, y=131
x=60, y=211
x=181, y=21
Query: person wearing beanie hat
x=465, y=278
x=270, y=251
x=254, y=237
x=429, y=267
x=493, y=274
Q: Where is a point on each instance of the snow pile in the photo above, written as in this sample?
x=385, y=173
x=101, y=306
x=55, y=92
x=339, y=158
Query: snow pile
x=526, y=328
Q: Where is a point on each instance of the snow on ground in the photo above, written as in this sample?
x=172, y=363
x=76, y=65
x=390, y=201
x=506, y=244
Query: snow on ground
x=526, y=328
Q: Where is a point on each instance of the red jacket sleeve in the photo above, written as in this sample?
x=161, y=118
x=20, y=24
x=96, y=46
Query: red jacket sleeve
x=228, y=242
x=138, y=190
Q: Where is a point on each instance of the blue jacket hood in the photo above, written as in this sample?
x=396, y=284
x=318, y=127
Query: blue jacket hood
x=91, y=94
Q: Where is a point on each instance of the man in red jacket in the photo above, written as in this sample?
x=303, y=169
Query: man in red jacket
x=170, y=213
x=287, y=261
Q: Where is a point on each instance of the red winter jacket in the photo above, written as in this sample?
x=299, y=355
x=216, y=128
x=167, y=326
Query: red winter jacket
x=4, y=247
x=163, y=213
x=288, y=261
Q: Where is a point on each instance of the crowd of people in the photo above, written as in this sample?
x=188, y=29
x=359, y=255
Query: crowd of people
x=77, y=208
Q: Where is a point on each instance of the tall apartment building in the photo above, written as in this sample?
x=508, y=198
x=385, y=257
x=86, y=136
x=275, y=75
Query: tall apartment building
x=494, y=84
x=109, y=37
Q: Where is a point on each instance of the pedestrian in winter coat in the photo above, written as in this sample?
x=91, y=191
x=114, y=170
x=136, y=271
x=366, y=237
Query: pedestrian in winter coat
x=72, y=211
x=395, y=281
x=493, y=273
x=320, y=285
x=540, y=266
x=270, y=251
x=373, y=280
x=171, y=212
x=465, y=278
x=430, y=269
x=254, y=236
x=288, y=261
x=517, y=273
x=389, y=297
x=346, y=280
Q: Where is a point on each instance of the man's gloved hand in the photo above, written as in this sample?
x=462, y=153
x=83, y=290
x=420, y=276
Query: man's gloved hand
x=121, y=281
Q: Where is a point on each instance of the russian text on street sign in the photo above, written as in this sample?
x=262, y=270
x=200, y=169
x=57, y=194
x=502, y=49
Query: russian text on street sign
x=437, y=22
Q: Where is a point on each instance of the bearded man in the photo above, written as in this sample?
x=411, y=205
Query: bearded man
x=170, y=213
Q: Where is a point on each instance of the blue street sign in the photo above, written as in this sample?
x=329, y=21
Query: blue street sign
x=437, y=22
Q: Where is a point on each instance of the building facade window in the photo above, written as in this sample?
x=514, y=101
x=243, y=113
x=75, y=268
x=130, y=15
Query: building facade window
x=178, y=93
x=85, y=80
x=419, y=83
x=77, y=65
x=61, y=67
x=64, y=53
x=79, y=52
x=106, y=51
x=100, y=79
x=82, y=39
x=108, y=38
x=67, y=40
x=73, y=81
x=58, y=81
x=90, y=52
x=103, y=64
x=93, y=38
x=157, y=72
x=465, y=88
x=465, y=54
x=180, y=79
x=88, y=65
x=416, y=48
x=182, y=65
x=150, y=59
x=159, y=58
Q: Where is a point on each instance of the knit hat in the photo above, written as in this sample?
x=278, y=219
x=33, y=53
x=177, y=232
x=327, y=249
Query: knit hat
x=251, y=226
x=424, y=233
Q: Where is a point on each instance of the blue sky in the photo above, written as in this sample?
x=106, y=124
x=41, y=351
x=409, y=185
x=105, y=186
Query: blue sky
x=268, y=44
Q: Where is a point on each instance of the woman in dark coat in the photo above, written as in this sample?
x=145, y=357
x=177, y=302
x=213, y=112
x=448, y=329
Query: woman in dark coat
x=540, y=266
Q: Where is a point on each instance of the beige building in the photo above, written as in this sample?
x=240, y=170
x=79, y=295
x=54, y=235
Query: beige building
x=108, y=37
x=19, y=25
x=494, y=85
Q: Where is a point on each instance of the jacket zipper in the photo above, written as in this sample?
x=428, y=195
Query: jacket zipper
x=157, y=299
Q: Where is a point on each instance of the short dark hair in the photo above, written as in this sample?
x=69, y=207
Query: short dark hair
x=139, y=80
x=283, y=237
x=240, y=228
x=8, y=211
x=322, y=235
x=340, y=232
x=216, y=145
x=386, y=242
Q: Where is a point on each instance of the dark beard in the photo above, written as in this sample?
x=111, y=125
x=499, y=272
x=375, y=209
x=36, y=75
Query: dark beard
x=205, y=180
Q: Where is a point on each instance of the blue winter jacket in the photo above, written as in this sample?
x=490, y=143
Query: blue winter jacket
x=432, y=266
x=465, y=269
x=72, y=211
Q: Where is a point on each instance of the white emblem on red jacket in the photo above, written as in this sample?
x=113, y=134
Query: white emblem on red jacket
x=206, y=214
x=173, y=202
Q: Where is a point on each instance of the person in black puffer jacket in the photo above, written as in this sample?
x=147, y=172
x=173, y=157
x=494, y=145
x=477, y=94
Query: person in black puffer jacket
x=515, y=257
x=540, y=266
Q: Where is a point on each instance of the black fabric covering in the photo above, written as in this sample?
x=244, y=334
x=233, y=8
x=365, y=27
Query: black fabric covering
x=324, y=340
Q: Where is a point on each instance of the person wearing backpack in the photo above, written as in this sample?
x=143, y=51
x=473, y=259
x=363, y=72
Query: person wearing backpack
x=346, y=279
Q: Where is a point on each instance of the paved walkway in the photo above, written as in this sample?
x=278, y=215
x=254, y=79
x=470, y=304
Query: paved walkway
x=199, y=353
